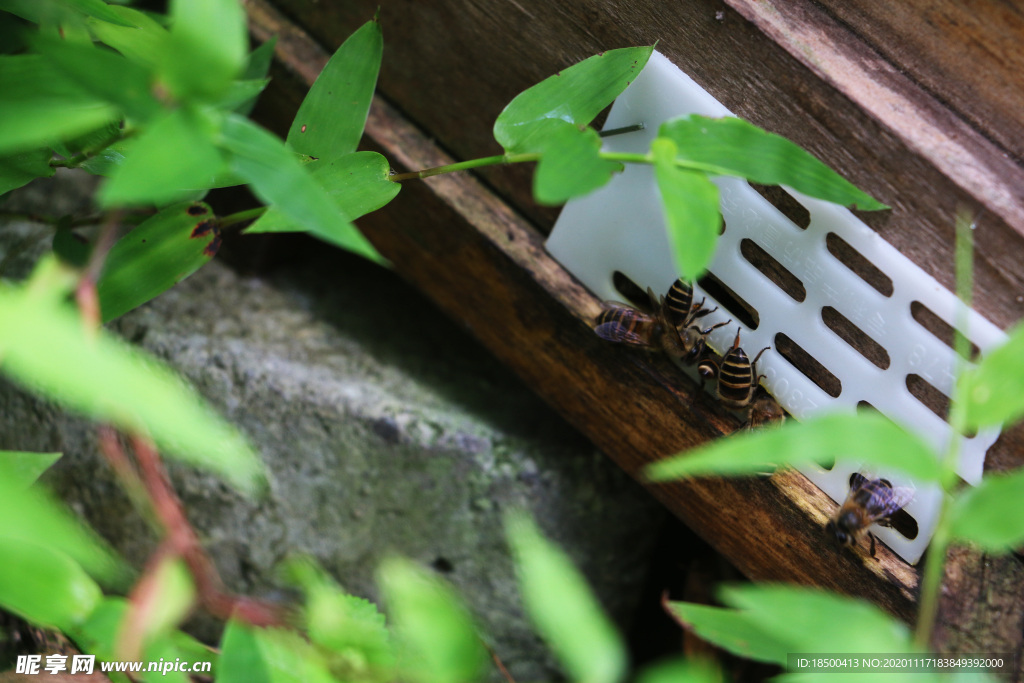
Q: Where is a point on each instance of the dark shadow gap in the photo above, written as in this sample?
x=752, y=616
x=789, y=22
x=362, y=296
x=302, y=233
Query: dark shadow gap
x=855, y=337
x=730, y=300
x=855, y=261
x=786, y=203
x=940, y=329
x=932, y=398
x=807, y=364
x=773, y=270
x=631, y=291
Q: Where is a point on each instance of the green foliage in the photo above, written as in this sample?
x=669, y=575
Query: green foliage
x=24, y=468
x=989, y=514
x=574, y=95
x=436, y=637
x=731, y=146
x=44, y=585
x=321, y=128
x=690, y=203
x=731, y=630
x=994, y=391
x=206, y=49
x=870, y=439
x=156, y=255
x=562, y=608
x=167, y=599
x=144, y=44
x=571, y=165
x=19, y=169
x=680, y=671
x=45, y=347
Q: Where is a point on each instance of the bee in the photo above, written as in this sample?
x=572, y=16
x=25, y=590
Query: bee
x=870, y=501
x=626, y=325
x=764, y=411
x=737, y=375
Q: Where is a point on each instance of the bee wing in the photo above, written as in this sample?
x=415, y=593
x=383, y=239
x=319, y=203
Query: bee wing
x=857, y=481
x=620, y=334
x=886, y=501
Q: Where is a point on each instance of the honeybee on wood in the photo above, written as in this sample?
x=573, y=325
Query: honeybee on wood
x=764, y=411
x=626, y=325
x=737, y=375
x=870, y=501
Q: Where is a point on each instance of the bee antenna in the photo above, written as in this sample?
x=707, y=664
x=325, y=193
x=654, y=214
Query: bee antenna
x=736, y=342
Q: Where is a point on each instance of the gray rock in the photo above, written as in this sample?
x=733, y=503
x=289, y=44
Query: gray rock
x=385, y=429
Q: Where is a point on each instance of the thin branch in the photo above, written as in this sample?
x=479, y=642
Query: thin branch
x=86, y=295
x=497, y=661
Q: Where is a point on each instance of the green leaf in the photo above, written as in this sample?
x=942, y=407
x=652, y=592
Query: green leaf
x=814, y=620
x=257, y=66
x=438, y=640
x=279, y=179
x=45, y=347
x=176, y=152
x=570, y=165
x=98, y=633
x=242, y=92
x=143, y=45
x=732, y=631
x=207, y=48
x=162, y=598
x=99, y=10
x=93, y=140
x=731, y=146
x=17, y=170
x=358, y=183
x=104, y=74
x=44, y=585
x=24, y=468
x=575, y=95
x=330, y=121
x=30, y=515
x=989, y=514
x=251, y=655
x=680, y=671
x=691, y=205
x=39, y=106
x=867, y=438
x=562, y=608
x=994, y=391
x=161, y=252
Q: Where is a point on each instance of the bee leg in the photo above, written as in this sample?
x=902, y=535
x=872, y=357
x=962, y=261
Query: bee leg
x=715, y=327
x=758, y=356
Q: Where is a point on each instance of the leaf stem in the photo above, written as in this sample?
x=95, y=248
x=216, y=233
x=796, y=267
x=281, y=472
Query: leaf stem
x=240, y=217
x=464, y=165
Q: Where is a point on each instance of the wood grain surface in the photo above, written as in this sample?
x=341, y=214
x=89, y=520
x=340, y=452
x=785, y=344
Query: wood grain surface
x=473, y=250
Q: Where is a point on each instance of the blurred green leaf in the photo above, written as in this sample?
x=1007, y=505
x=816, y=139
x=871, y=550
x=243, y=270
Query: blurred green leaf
x=867, y=438
x=47, y=349
x=30, y=515
x=437, y=639
x=346, y=624
x=163, y=649
x=691, y=207
x=680, y=671
x=570, y=165
x=99, y=10
x=176, y=152
x=107, y=161
x=44, y=585
x=358, y=183
x=251, y=655
x=257, y=66
x=143, y=45
x=207, y=48
x=71, y=248
x=161, y=600
x=989, y=514
x=98, y=633
x=732, y=631
x=731, y=146
x=279, y=179
x=104, y=74
x=330, y=120
x=562, y=608
x=92, y=140
x=242, y=92
x=575, y=95
x=161, y=252
x=994, y=391
x=814, y=620
x=39, y=106
x=24, y=468
x=191, y=649
x=17, y=170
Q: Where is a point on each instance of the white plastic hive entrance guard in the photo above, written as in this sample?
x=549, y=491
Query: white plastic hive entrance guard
x=621, y=228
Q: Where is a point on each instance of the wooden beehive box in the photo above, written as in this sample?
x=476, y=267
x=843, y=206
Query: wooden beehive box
x=920, y=105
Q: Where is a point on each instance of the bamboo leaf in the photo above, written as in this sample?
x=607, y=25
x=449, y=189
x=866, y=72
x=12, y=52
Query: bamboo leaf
x=143, y=45
x=330, y=120
x=17, y=170
x=159, y=253
x=439, y=642
x=994, y=391
x=575, y=95
x=680, y=671
x=44, y=585
x=45, y=347
x=25, y=468
x=732, y=631
x=691, y=206
x=279, y=179
x=251, y=655
x=989, y=514
x=99, y=10
x=358, y=183
x=562, y=608
x=39, y=106
x=257, y=66
x=731, y=146
x=176, y=152
x=242, y=92
x=570, y=165
x=207, y=48
x=869, y=438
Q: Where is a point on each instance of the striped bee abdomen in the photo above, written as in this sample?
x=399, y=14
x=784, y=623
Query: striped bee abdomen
x=735, y=376
x=680, y=300
x=625, y=325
